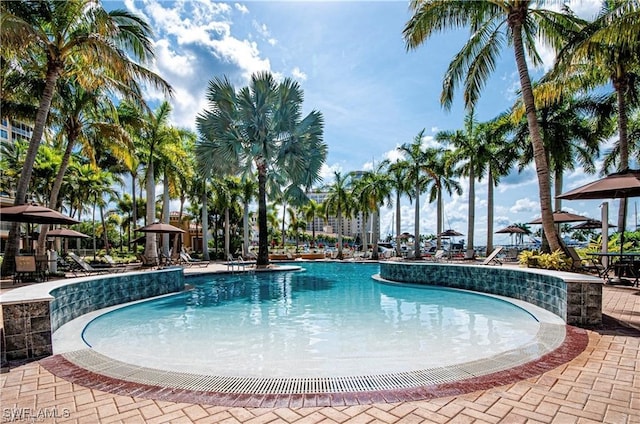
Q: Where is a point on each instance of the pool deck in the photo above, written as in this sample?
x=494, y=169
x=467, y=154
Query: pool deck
x=600, y=385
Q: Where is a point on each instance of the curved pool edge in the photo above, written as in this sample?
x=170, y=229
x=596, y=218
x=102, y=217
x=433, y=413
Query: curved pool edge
x=63, y=366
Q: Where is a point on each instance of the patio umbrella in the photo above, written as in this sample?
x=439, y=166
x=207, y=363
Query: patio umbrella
x=66, y=233
x=511, y=230
x=34, y=214
x=562, y=216
x=450, y=233
x=160, y=228
x=619, y=185
x=591, y=224
x=614, y=186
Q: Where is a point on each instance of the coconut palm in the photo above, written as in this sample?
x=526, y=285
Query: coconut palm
x=261, y=127
x=400, y=185
x=372, y=190
x=492, y=24
x=70, y=39
x=467, y=159
x=338, y=203
x=418, y=171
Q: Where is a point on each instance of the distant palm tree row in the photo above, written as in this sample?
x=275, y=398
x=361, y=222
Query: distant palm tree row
x=75, y=72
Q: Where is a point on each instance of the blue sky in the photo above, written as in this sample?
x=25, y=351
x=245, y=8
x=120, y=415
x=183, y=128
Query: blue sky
x=350, y=59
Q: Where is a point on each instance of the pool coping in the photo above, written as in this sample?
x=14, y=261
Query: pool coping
x=80, y=364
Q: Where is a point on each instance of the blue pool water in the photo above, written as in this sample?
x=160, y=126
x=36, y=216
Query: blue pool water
x=332, y=319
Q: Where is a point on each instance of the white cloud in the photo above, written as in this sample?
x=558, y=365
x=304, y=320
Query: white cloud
x=298, y=74
x=525, y=205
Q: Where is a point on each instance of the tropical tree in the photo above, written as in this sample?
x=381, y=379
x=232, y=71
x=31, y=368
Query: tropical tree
x=69, y=39
x=338, y=203
x=372, y=190
x=468, y=162
x=261, y=128
x=401, y=186
x=415, y=163
x=493, y=24
x=606, y=50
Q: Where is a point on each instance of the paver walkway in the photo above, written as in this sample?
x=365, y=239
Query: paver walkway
x=601, y=385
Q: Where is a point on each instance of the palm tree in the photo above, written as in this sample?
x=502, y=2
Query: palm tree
x=466, y=156
x=262, y=127
x=498, y=155
x=337, y=203
x=607, y=50
x=492, y=24
x=371, y=191
x=70, y=39
x=311, y=210
x=399, y=183
x=415, y=164
x=440, y=168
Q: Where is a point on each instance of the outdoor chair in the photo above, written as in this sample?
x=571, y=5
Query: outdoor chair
x=25, y=269
x=493, y=257
x=187, y=260
x=584, y=265
x=83, y=267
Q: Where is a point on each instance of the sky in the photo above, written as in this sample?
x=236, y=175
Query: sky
x=350, y=59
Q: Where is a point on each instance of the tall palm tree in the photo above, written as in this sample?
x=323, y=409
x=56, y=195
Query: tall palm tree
x=493, y=24
x=468, y=160
x=338, y=203
x=400, y=185
x=311, y=210
x=607, y=50
x=69, y=39
x=415, y=160
x=371, y=191
x=498, y=154
x=443, y=180
x=261, y=127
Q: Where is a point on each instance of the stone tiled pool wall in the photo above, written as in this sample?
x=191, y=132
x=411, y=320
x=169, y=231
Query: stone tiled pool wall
x=29, y=317
x=577, y=300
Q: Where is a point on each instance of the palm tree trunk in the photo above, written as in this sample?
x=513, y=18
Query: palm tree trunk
x=416, y=225
x=150, y=246
x=11, y=248
x=205, y=224
x=620, y=86
x=263, y=241
x=398, y=223
x=470, y=254
x=489, y=213
x=542, y=167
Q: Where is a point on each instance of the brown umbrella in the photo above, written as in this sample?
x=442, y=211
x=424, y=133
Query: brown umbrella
x=591, y=224
x=450, y=233
x=66, y=233
x=159, y=227
x=34, y=214
x=562, y=216
x=614, y=186
x=511, y=229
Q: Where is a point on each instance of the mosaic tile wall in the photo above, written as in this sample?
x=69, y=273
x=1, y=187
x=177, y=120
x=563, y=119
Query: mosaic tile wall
x=28, y=325
x=577, y=303
x=75, y=300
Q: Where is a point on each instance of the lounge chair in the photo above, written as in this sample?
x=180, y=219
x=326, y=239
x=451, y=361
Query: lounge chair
x=584, y=265
x=83, y=267
x=25, y=269
x=187, y=260
x=493, y=259
x=439, y=256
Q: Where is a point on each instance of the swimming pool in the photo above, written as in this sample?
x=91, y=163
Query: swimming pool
x=332, y=320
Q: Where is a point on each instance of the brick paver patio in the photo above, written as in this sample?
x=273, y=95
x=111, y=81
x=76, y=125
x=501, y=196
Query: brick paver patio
x=601, y=385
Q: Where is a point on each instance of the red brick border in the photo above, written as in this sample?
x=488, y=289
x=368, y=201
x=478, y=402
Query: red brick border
x=575, y=342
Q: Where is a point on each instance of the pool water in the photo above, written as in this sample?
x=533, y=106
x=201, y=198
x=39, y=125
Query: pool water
x=332, y=319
